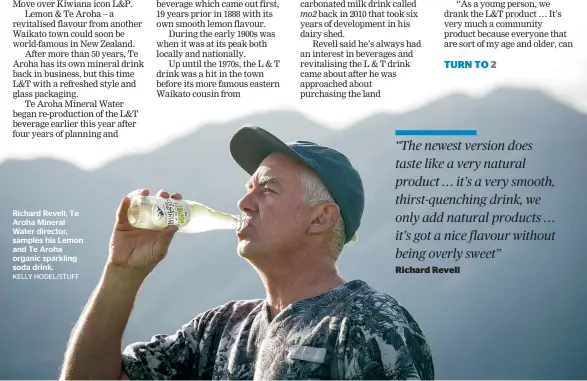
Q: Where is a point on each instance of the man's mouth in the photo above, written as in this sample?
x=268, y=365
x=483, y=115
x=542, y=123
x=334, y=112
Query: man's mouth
x=241, y=231
x=244, y=223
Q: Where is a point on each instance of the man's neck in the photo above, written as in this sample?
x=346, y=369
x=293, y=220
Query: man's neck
x=291, y=286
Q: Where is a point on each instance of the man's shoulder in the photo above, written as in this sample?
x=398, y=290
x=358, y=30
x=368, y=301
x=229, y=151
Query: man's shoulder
x=366, y=300
x=379, y=310
x=377, y=320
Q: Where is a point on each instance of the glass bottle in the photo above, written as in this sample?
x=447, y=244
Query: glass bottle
x=156, y=213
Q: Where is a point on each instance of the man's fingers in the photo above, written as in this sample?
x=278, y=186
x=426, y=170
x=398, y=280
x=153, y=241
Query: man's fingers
x=163, y=193
x=122, y=213
x=164, y=240
x=138, y=192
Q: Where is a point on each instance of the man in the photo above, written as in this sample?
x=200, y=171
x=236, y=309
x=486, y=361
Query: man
x=303, y=203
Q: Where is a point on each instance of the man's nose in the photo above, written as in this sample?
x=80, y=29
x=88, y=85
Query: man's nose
x=248, y=203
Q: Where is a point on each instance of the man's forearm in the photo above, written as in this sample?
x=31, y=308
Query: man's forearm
x=94, y=349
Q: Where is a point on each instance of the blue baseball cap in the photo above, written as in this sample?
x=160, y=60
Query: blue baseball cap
x=250, y=145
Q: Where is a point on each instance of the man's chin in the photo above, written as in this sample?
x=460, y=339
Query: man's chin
x=243, y=248
x=248, y=250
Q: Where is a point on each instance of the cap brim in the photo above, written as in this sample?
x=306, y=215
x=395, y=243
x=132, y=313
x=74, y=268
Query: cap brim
x=251, y=145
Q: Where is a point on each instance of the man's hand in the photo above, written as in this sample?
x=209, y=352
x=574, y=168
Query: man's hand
x=136, y=249
x=93, y=351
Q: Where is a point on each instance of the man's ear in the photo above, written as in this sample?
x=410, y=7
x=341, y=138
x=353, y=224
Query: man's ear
x=324, y=217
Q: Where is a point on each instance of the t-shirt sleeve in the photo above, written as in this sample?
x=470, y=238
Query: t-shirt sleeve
x=165, y=357
x=383, y=342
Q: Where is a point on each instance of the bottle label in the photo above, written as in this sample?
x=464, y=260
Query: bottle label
x=170, y=212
